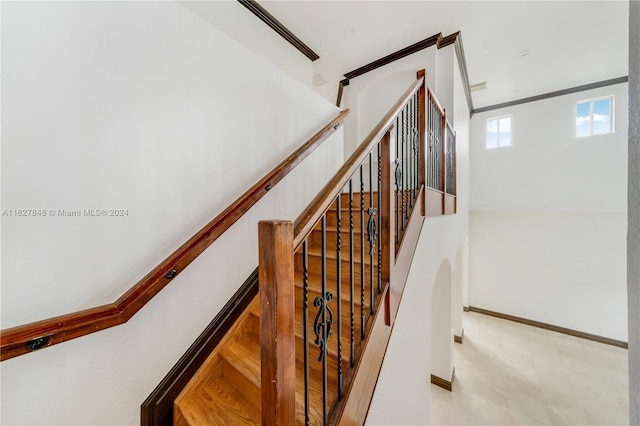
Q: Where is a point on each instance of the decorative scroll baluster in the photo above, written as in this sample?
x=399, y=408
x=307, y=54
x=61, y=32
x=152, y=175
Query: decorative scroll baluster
x=339, y=290
x=351, y=278
x=371, y=229
x=305, y=326
x=379, y=187
x=411, y=150
x=361, y=254
x=323, y=329
x=398, y=179
x=416, y=144
x=397, y=176
x=402, y=174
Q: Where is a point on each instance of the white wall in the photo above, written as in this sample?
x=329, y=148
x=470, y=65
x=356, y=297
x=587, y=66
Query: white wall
x=239, y=23
x=633, y=240
x=146, y=107
x=408, y=362
x=370, y=96
x=547, y=220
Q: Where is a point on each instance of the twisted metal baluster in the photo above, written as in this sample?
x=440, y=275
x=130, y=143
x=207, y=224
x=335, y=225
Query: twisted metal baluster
x=361, y=254
x=351, y=277
x=339, y=291
x=305, y=326
x=379, y=233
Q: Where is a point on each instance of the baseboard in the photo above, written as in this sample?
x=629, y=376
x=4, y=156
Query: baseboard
x=458, y=339
x=444, y=384
x=551, y=327
x=465, y=308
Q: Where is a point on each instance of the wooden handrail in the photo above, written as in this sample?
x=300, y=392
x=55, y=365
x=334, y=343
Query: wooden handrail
x=306, y=221
x=25, y=338
x=433, y=97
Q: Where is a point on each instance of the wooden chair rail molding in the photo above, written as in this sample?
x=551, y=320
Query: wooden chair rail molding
x=306, y=221
x=26, y=338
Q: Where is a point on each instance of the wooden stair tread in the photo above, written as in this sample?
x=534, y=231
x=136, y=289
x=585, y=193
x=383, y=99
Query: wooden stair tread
x=219, y=403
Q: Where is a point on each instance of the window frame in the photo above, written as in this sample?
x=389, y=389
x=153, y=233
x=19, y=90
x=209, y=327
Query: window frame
x=497, y=119
x=591, y=102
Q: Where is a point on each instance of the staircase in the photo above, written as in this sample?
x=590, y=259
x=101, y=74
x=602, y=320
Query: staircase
x=226, y=389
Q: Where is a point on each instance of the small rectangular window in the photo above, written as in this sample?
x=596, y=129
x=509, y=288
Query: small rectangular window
x=498, y=132
x=594, y=117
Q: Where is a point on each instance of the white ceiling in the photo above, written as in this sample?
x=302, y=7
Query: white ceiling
x=570, y=43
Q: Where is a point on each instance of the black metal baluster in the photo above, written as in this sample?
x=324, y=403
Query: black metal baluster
x=371, y=228
x=379, y=218
x=419, y=151
x=305, y=327
x=351, y=277
x=412, y=185
x=433, y=148
x=326, y=327
x=339, y=291
x=416, y=148
x=361, y=253
x=402, y=175
x=397, y=175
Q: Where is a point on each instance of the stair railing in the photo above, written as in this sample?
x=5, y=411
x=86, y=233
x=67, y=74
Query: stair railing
x=30, y=337
x=338, y=257
x=450, y=171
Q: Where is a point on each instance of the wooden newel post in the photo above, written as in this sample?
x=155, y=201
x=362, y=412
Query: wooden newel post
x=422, y=100
x=386, y=215
x=277, y=334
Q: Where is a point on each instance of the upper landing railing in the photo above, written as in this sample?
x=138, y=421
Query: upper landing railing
x=26, y=338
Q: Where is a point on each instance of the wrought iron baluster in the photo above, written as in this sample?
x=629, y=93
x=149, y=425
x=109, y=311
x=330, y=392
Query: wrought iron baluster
x=402, y=174
x=397, y=173
x=323, y=320
x=339, y=291
x=379, y=210
x=361, y=253
x=351, y=277
x=305, y=326
x=419, y=126
x=398, y=179
x=411, y=153
x=416, y=147
x=371, y=232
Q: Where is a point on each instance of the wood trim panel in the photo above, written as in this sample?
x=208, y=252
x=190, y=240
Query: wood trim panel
x=449, y=204
x=316, y=209
x=464, y=73
x=458, y=339
x=434, y=202
x=551, y=327
x=358, y=396
x=590, y=86
x=465, y=309
x=403, y=260
x=435, y=40
x=262, y=14
x=445, y=384
x=15, y=341
x=422, y=98
x=157, y=409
